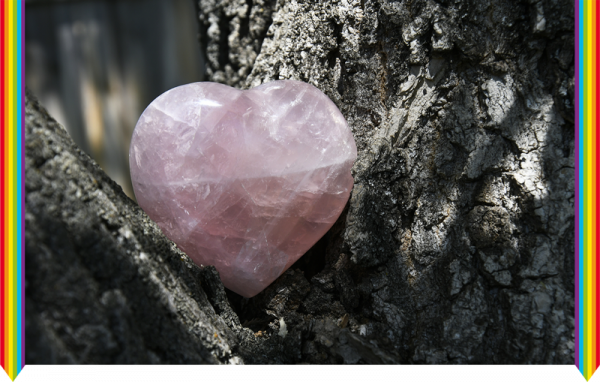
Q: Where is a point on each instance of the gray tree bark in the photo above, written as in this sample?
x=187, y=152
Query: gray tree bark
x=457, y=242
x=457, y=246
x=102, y=284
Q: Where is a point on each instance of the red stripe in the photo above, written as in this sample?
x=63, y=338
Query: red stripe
x=2, y=163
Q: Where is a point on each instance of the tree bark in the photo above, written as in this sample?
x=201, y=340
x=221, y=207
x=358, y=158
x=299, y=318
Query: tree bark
x=455, y=247
x=102, y=284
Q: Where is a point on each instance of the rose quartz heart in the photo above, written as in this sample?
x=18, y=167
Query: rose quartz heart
x=246, y=181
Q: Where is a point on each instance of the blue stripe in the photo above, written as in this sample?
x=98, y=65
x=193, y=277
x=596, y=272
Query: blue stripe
x=19, y=245
x=581, y=189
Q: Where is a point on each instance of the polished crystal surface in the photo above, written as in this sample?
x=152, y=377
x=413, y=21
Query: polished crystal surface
x=246, y=181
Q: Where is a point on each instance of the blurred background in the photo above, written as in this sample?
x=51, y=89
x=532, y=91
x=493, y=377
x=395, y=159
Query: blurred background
x=96, y=65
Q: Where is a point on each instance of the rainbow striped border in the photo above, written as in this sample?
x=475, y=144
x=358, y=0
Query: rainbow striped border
x=587, y=208
x=578, y=188
x=12, y=192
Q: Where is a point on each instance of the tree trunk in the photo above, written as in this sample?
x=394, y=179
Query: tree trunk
x=102, y=284
x=456, y=245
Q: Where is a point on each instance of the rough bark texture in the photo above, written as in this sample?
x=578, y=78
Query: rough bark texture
x=103, y=285
x=456, y=245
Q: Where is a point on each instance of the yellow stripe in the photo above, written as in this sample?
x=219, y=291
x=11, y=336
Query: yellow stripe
x=10, y=128
x=593, y=194
x=588, y=173
x=5, y=247
x=585, y=150
x=586, y=178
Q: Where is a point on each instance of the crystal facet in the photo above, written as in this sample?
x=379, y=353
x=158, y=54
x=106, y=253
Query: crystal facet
x=246, y=181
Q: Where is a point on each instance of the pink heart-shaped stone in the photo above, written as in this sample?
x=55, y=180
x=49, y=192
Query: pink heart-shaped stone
x=246, y=181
